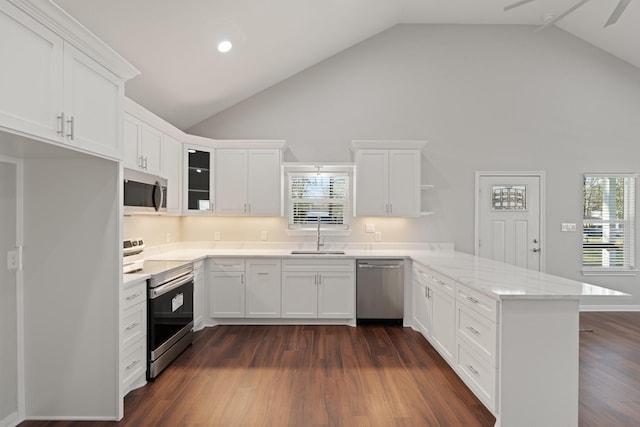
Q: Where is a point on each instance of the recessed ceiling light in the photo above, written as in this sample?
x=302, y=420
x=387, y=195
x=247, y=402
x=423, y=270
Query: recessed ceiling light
x=224, y=46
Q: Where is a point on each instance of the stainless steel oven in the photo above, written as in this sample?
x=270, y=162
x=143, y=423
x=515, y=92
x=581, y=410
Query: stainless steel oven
x=169, y=311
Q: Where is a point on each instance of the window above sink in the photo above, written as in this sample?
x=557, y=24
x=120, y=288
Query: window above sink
x=318, y=195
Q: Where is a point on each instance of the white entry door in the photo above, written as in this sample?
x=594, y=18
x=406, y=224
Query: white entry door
x=8, y=298
x=509, y=218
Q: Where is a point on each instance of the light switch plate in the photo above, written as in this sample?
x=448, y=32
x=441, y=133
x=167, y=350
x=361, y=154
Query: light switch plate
x=216, y=235
x=566, y=226
x=264, y=235
x=378, y=236
x=370, y=228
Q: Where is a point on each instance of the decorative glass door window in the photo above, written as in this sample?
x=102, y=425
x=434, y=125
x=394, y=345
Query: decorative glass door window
x=509, y=197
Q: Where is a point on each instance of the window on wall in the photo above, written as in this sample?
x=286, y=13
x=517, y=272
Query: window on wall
x=318, y=197
x=608, y=228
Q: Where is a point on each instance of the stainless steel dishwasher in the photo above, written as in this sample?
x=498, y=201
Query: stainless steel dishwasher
x=380, y=290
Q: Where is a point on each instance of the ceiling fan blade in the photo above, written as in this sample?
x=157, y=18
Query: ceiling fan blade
x=562, y=15
x=617, y=12
x=516, y=4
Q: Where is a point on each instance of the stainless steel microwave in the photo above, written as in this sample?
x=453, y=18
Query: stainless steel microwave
x=144, y=193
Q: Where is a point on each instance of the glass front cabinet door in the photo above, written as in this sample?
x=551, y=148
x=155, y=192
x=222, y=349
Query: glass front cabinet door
x=199, y=198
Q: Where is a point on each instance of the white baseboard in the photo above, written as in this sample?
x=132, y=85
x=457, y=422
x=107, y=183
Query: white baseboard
x=70, y=418
x=610, y=308
x=10, y=420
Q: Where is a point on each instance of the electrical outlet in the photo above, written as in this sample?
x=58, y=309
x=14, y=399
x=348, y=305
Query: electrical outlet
x=568, y=226
x=216, y=235
x=264, y=235
x=13, y=259
x=370, y=228
x=168, y=237
x=378, y=236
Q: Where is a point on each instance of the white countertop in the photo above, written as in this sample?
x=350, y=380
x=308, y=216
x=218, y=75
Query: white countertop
x=129, y=278
x=505, y=281
x=494, y=279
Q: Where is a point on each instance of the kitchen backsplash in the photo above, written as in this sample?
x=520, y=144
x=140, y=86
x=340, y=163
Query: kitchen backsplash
x=160, y=230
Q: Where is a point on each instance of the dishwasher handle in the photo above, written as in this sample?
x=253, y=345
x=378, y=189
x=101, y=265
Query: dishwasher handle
x=381, y=266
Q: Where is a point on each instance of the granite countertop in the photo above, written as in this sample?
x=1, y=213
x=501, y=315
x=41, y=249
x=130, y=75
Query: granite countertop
x=494, y=279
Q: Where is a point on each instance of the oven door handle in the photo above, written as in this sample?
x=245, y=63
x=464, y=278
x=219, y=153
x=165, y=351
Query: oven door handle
x=169, y=286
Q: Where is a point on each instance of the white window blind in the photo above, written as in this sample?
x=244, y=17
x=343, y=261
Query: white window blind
x=608, y=229
x=317, y=197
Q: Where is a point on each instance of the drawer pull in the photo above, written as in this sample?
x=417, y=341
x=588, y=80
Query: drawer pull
x=473, y=330
x=134, y=296
x=134, y=363
x=473, y=370
x=473, y=300
x=261, y=273
x=131, y=326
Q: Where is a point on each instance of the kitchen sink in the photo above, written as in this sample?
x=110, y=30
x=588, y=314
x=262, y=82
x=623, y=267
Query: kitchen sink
x=317, y=252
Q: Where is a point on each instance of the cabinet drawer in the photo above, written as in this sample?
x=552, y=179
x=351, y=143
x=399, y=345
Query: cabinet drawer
x=420, y=275
x=133, y=324
x=134, y=363
x=478, y=332
x=226, y=264
x=478, y=302
x=134, y=295
x=318, y=265
x=478, y=375
x=442, y=283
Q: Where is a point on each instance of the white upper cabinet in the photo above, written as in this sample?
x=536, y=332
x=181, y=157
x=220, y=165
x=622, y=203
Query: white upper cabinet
x=30, y=75
x=92, y=105
x=231, y=181
x=388, y=180
x=53, y=90
x=142, y=146
x=172, y=170
x=154, y=146
x=248, y=179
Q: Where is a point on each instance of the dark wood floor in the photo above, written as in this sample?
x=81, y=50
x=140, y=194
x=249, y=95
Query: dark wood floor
x=369, y=376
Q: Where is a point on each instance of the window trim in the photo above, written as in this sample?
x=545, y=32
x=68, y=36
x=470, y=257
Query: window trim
x=627, y=270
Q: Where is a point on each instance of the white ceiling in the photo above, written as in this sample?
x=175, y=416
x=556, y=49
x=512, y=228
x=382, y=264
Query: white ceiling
x=185, y=80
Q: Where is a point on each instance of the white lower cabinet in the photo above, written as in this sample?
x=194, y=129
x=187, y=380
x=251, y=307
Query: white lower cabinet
x=199, y=277
x=133, y=336
x=226, y=287
x=323, y=289
x=422, y=302
x=262, y=288
x=461, y=324
x=477, y=338
x=480, y=376
x=434, y=310
x=443, y=323
x=244, y=288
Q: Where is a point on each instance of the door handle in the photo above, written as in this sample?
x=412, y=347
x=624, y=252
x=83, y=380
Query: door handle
x=536, y=250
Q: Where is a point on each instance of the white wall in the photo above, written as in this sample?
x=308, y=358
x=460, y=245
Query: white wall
x=71, y=280
x=486, y=98
x=8, y=296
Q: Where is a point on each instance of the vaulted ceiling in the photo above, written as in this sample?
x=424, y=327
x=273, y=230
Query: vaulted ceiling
x=186, y=80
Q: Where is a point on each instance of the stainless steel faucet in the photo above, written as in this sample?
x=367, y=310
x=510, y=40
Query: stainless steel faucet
x=318, y=237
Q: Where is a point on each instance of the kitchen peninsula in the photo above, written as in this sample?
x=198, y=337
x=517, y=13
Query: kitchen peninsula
x=511, y=334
